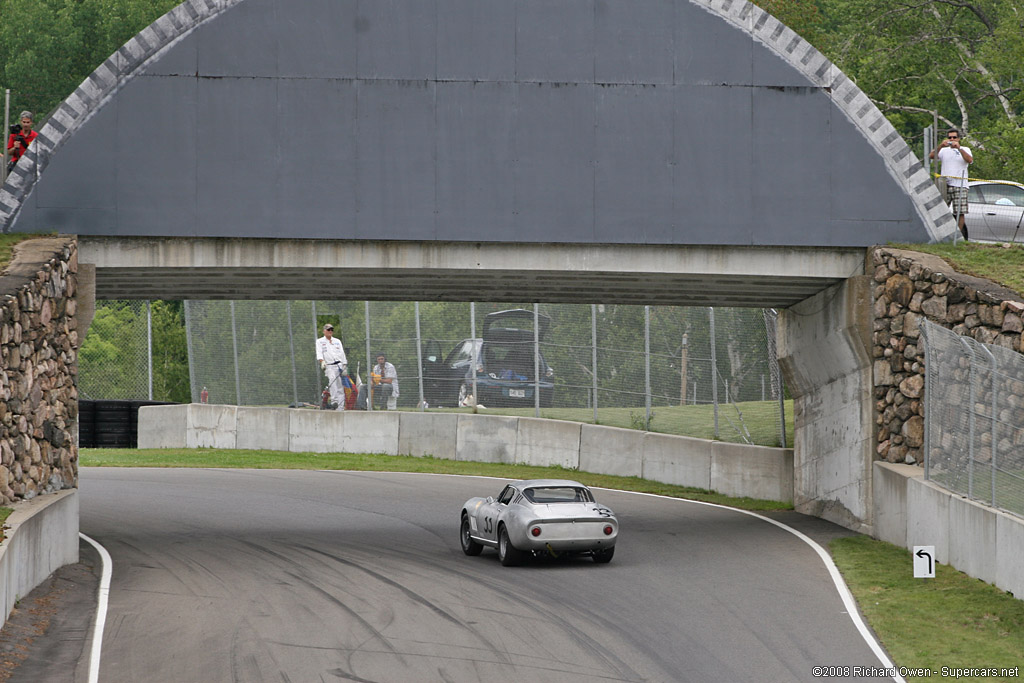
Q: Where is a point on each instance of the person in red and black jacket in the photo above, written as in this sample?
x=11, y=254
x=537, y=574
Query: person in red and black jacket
x=19, y=140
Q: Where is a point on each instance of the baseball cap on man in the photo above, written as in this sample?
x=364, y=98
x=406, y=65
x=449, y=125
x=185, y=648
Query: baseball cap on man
x=328, y=326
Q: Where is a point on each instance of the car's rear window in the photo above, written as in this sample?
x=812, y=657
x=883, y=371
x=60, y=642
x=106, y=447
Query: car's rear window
x=558, y=494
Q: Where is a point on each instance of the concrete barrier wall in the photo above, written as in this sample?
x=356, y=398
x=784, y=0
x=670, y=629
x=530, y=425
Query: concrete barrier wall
x=42, y=536
x=975, y=539
x=736, y=470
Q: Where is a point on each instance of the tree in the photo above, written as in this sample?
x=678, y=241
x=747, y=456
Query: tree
x=959, y=58
x=48, y=47
x=114, y=359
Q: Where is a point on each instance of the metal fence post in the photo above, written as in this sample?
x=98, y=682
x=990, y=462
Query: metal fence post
x=291, y=345
x=647, y=368
x=593, y=352
x=419, y=356
x=992, y=448
x=970, y=422
x=536, y=359
x=714, y=366
x=316, y=335
x=475, y=360
x=684, y=359
x=7, y=127
x=927, y=400
x=369, y=362
x=192, y=388
x=149, y=345
x=234, y=354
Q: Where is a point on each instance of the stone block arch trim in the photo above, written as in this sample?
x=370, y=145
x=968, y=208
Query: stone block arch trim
x=133, y=57
x=98, y=89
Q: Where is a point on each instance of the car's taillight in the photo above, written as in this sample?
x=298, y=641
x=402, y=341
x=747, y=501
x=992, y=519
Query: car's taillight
x=535, y=531
x=608, y=530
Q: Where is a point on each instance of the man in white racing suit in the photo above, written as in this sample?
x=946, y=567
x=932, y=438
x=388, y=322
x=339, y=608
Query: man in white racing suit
x=331, y=355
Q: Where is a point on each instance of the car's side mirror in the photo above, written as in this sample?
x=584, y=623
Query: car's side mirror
x=490, y=499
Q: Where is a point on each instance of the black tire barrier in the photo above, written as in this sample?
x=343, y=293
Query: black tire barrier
x=110, y=423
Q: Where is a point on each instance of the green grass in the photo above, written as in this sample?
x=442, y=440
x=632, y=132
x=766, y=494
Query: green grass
x=7, y=243
x=952, y=620
x=758, y=419
x=203, y=457
x=5, y=512
x=995, y=262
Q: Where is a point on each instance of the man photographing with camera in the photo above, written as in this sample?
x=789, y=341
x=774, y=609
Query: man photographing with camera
x=954, y=159
x=19, y=138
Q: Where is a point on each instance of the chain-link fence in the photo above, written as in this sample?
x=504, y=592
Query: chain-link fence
x=115, y=361
x=705, y=372
x=974, y=418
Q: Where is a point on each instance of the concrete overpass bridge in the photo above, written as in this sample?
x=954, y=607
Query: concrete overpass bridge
x=693, y=152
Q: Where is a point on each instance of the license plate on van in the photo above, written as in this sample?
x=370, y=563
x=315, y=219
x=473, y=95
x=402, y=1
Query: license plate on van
x=517, y=393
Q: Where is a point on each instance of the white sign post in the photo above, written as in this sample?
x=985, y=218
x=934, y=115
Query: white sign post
x=924, y=562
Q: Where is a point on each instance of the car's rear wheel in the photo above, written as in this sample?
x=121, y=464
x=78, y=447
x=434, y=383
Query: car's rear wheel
x=604, y=556
x=469, y=546
x=508, y=553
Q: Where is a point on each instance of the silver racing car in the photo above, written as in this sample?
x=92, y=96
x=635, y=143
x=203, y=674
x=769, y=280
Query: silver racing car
x=539, y=516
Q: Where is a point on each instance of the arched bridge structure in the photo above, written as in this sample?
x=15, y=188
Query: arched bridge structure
x=658, y=151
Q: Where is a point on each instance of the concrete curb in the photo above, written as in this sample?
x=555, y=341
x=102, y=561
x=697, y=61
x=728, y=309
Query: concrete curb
x=733, y=469
x=41, y=537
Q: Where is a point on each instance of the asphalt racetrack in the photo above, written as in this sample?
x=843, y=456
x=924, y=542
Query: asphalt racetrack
x=302, y=576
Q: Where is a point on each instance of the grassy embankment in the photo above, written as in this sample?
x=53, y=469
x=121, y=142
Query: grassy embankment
x=1001, y=264
x=7, y=242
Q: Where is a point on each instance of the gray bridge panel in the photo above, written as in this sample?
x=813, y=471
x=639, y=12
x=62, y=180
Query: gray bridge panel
x=172, y=196
x=472, y=186
x=710, y=52
x=322, y=178
x=476, y=40
x=397, y=39
x=855, y=191
x=554, y=154
x=555, y=41
x=709, y=121
x=632, y=127
x=396, y=184
x=249, y=137
x=789, y=138
x=246, y=42
x=653, y=122
x=633, y=42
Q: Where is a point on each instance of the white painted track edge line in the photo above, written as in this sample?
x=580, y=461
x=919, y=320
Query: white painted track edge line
x=837, y=579
x=101, y=609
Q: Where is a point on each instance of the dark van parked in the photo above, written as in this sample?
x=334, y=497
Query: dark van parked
x=505, y=365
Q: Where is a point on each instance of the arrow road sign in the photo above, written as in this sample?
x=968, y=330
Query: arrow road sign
x=924, y=562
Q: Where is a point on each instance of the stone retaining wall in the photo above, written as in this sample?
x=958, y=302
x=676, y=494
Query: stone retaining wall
x=909, y=287
x=38, y=368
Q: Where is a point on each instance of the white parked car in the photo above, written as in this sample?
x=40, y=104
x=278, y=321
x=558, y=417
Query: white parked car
x=995, y=210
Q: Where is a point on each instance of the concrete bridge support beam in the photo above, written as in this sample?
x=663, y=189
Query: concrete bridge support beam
x=824, y=347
